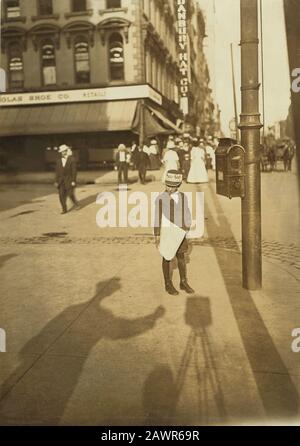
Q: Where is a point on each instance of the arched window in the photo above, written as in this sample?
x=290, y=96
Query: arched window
x=15, y=66
x=82, y=60
x=116, y=57
x=113, y=4
x=48, y=62
x=45, y=7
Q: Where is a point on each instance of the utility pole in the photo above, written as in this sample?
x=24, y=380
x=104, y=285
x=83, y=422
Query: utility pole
x=292, y=21
x=250, y=126
x=234, y=96
x=142, y=123
x=143, y=69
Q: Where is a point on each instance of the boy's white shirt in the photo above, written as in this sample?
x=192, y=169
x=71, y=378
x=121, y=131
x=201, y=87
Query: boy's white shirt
x=171, y=236
x=175, y=196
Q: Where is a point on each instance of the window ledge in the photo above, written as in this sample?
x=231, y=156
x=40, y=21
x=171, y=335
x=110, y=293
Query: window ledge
x=109, y=10
x=116, y=83
x=34, y=18
x=87, y=12
x=15, y=19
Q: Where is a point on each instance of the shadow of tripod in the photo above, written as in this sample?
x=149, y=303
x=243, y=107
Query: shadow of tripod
x=199, y=355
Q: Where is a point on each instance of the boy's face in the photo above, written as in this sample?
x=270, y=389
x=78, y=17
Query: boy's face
x=171, y=189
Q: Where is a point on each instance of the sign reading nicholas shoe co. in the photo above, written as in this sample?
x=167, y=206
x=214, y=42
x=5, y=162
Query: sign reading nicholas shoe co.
x=82, y=95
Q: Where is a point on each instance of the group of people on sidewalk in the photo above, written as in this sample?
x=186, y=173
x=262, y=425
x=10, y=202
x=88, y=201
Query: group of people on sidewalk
x=140, y=158
x=192, y=156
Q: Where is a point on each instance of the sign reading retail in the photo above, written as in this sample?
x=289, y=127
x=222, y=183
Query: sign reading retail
x=82, y=95
x=183, y=52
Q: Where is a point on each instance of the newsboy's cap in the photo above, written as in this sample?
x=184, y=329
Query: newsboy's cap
x=173, y=178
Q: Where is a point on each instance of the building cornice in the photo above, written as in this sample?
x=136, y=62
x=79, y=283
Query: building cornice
x=36, y=18
x=87, y=12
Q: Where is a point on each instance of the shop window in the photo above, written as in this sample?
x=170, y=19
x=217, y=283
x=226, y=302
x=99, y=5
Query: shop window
x=48, y=63
x=82, y=60
x=45, y=7
x=78, y=5
x=15, y=66
x=116, y=57
x=113, y=4
x=13, y=9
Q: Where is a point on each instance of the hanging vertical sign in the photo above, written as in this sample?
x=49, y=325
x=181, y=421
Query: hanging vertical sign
x=183, y=53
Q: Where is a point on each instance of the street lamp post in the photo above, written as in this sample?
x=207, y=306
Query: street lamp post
x=250, y=126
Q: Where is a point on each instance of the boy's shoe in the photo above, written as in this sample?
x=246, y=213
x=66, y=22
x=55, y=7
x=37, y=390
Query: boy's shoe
x=185, y=286
x=171, y=289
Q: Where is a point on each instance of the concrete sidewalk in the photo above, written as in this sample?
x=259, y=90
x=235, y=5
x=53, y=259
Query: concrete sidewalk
x=93, y=339
x=47, y=177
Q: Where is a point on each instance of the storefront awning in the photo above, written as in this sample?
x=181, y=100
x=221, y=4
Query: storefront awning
x=83, y=118
x=169, y=125
x=68, y=118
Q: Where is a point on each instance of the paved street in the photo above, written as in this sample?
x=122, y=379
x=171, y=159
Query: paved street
x=92, y=337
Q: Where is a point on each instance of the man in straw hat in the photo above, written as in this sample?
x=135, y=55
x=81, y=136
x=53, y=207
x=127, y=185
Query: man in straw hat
x=122, y=163
x=172, y=222
x=65, y=173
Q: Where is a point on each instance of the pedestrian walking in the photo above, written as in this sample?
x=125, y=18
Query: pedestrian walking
x=171, y=225
x=292, y=150
x=122, y=163
x=134, y=155
x=143, y=164
x=286, y=158
x=186, y=158
x=180, y=152
x=198, y=173
x=170, y=159
x=210, y=151
x=65, y=177
x=153, y=153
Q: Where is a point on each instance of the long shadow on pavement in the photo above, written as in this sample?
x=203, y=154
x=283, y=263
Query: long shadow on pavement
x=6, y=258
x=49, y=388
x=85, y=202
x=276, y=388
x=197, y=369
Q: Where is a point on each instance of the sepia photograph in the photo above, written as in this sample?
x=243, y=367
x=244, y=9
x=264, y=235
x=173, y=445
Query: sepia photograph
x=149, y=215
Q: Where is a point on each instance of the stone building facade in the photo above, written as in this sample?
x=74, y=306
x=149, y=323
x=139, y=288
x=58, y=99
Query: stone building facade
x=116, y=60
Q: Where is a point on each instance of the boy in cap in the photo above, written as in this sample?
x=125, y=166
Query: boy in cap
x=172, y=222
x=65, y=173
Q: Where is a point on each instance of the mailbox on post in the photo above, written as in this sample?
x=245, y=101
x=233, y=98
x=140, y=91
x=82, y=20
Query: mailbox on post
x=230, y=168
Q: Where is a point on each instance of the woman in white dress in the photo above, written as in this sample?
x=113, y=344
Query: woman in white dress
x=170, y=159
x=198, y=172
